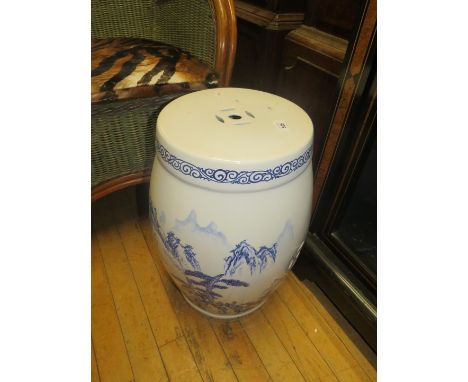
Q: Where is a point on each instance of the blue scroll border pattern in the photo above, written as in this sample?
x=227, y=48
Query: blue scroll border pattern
x=232, y=176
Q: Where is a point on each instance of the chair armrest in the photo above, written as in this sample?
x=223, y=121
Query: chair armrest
x=226, y=39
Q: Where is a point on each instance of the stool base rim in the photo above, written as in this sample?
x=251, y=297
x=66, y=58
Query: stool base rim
x=223, y=316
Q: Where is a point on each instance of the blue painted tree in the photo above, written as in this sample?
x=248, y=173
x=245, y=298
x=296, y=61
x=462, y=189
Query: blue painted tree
x=171, y=243
x=190, y=256
x=205, y=284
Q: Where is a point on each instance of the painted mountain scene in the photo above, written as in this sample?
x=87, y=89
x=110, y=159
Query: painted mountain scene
x=212, y=286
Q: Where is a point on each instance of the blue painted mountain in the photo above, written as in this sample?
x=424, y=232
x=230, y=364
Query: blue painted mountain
x=285, y=237
x=245, y=255
x=191, y=224
x=202, y=238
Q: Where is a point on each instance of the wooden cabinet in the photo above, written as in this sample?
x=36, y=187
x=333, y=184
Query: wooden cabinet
x=340, y=253
x=310, y=68
x=261, y=27
x=336, y=17
x=322, y=56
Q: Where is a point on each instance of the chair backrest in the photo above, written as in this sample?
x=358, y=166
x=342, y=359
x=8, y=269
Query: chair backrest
x=205, y=28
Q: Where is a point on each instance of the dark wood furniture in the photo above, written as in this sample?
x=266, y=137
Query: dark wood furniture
x=341, y=248
x=262, y=26
x=340, y=254
x=311, y=65
x=325, y=61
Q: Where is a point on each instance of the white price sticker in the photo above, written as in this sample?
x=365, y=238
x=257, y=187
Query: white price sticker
x=281, y=125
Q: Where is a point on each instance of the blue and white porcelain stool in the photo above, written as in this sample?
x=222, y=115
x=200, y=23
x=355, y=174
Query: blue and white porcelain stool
x=231, y=195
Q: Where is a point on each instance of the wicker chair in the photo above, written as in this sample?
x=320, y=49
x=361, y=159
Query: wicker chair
x=122, y=132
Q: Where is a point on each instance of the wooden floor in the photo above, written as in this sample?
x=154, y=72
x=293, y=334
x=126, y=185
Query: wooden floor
x=143, y=330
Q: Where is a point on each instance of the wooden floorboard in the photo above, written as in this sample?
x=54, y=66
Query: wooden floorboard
x=305, y=355
x=142, y=349
x=163, y=320
x=364, y=356
x=242, y=355
x=179, y=361
x=108, y=342
x=330, y=347
x=277, y=361
x=94, y=370
x=144, y=330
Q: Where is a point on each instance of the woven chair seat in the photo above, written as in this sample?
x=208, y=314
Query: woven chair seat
x=131, y=68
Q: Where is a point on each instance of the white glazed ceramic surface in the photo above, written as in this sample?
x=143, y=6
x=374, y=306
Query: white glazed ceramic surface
x=231, y=194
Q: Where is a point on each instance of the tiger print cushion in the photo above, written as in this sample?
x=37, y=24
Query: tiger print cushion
x=125, y=68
